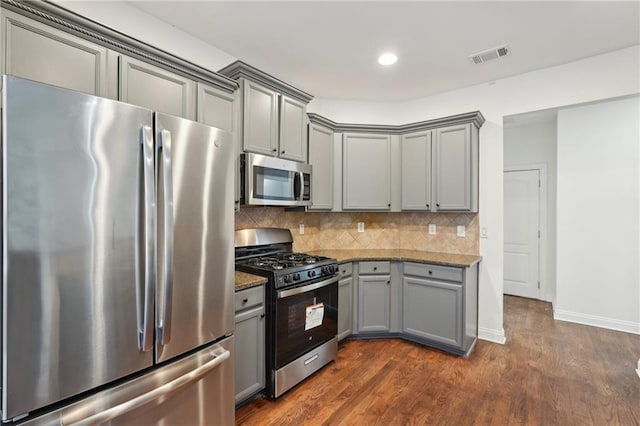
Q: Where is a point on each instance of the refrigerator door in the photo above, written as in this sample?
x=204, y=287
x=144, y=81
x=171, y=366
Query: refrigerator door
x=73, y=274
x=195, y=235
x=196, y=390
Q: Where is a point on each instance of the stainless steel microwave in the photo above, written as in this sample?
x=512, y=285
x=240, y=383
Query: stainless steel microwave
x=271, y=181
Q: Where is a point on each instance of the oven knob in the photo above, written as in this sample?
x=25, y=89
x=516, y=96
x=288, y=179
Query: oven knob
x=296, y=276
x=312, y=273
x=287, y=279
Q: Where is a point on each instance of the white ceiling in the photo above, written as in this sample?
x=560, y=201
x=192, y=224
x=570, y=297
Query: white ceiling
x=329, y=49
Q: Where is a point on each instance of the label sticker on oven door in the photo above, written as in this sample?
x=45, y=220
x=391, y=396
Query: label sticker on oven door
x=315, y=314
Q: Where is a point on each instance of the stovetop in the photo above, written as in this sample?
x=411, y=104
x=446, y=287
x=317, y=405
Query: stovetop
x=289, y=268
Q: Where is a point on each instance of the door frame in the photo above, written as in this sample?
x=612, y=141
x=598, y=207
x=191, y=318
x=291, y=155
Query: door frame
x=542, y=222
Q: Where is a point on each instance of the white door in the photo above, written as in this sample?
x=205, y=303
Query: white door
x=521, y=233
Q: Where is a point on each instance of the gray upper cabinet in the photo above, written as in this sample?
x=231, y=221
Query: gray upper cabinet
x=416, y=171
x=273, y=124
x=455, y=168
x=260, y=119
x=153, y=87
x=321, y=159
x=217, y=108
x=293, y=129
x=38, y=52
x=220, y=109
x=366, y=175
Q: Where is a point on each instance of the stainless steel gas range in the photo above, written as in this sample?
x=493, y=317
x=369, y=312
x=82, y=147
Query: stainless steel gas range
x=301, y=305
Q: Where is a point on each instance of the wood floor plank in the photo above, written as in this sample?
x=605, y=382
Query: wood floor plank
x=548, y=373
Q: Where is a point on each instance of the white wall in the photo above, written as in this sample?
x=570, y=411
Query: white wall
x=527, y=143
x=599, y=215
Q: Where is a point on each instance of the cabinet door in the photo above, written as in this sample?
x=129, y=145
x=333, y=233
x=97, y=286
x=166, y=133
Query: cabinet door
x=41, y=53
x=373, y=303
x=249, y=350
x=293, y=129
x=366, y=172
x=220, y=109
x=152, y=87
x=321, y=159
x=452, y=167
x=433, y=310
x=416, y=171
x=345, y=303
x=260, y=119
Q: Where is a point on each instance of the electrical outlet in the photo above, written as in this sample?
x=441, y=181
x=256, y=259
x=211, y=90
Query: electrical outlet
x=360, y=226
x=461, y=231
x=484, y=233
x=432, y=229
x=302, y=229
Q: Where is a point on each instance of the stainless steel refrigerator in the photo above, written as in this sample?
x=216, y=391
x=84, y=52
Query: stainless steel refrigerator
x=117, y=262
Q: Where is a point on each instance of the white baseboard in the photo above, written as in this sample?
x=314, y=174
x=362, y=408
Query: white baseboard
x=597, y=321
x=495, y=336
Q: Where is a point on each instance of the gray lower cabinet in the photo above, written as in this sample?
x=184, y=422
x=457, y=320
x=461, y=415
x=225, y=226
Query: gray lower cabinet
x=440, y=305
x=374, y=297
x=38, y=52
x=345, y=301
x=155, y=88
x=366, y=183
x=249, y=343
x=433, y=310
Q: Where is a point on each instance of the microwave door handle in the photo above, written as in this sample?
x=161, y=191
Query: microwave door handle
x=164, y=327
x=297, y=186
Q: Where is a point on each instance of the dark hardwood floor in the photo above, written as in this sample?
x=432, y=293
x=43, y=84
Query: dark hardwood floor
x=548, y=373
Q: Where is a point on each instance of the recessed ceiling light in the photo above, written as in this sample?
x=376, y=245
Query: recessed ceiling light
x=387, y=59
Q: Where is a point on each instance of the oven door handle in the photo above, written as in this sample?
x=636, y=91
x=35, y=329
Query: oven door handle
x=304, y=289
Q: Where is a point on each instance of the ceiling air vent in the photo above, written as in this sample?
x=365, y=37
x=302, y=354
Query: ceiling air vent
x=489, y=54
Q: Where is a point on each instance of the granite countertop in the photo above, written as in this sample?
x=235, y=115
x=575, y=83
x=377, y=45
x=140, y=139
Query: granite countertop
x=436, y=258
x=244, y=280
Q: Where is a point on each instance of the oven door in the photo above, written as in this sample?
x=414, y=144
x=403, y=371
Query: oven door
x=305, y=317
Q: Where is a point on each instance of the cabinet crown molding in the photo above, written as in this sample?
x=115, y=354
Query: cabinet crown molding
x=239, y=69
x=58, y=17
x=475, y=117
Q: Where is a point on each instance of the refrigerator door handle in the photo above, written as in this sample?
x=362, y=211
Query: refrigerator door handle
x=164, y=147
x=156, y=393
x=145, y=312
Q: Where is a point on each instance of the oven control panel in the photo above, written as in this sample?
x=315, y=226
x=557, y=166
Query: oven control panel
x=293, y=278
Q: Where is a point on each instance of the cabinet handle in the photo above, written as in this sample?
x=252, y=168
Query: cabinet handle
x=282, y=152
x=430, y=272
x=388, y=282
x=389, y=205
x=375, y=268
x=427, y=205
x=274, y=150
x=437, y=205
x=261, y=316
x=245, y=300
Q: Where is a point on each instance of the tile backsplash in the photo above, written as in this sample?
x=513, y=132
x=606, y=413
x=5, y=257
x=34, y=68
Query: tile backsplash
x=338, y=230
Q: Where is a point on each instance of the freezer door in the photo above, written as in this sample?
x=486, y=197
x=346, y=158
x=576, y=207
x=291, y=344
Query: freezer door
x=196, y=390
x=195, y=235
x=73, y=279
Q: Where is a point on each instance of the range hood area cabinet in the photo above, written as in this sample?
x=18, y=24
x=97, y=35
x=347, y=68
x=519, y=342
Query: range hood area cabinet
x=273, y=113
x=440, y=169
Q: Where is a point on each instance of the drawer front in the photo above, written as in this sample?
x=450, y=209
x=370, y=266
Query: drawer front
x=248, y=298
x=383, y=267
x=346, y=269
x=448, y=273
